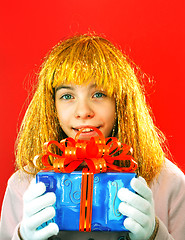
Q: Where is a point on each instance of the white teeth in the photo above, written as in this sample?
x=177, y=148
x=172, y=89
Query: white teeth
x=87, y=130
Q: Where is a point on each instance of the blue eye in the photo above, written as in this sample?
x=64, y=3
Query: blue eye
x=99, y=95
x=67, y=97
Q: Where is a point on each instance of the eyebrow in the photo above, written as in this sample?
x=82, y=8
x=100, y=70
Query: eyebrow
x=65, y=87
x=70, y=87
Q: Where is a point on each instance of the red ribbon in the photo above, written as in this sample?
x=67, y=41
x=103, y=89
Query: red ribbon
x=97, y=153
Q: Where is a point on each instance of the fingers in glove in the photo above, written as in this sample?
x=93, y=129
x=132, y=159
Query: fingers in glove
x=39, y=203
x=48, y=231
x=34, y=191
x=133, y=213
x=135, y=228
x=139, y=185
x=39, y=218
x=134, y=200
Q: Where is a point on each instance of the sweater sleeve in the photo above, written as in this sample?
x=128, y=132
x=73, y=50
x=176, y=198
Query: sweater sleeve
x=163, y=232
x=169, y=198
x=11, y=214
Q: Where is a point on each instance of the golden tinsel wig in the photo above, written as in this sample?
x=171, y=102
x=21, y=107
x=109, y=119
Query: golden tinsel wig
x=78, y=60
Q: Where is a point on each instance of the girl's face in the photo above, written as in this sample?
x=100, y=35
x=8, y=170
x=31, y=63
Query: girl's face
x=84, y=106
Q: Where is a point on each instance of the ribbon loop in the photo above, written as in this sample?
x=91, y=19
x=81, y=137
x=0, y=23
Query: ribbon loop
x=98, y=154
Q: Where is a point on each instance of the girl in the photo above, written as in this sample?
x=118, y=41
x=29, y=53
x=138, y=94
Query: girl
x=85, y=81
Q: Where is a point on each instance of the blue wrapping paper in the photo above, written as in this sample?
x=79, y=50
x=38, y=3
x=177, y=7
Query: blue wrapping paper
x=67, y=187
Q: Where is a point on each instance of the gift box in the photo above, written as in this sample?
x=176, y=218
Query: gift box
x=67, y=187
x=87, y=200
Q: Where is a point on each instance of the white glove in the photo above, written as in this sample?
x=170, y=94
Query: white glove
x=37, y=210
x=139, y=208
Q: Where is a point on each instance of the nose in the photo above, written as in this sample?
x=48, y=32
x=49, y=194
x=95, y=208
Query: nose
x=84, y=110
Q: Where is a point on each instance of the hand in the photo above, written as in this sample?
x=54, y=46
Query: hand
x=139, y=208
x=37, y=210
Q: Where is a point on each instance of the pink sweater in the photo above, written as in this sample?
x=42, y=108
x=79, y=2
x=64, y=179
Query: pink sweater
x=169, y=197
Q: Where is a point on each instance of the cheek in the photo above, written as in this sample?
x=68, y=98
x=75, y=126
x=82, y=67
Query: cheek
x=62, y=115
x=108, y=114
x=112, y=116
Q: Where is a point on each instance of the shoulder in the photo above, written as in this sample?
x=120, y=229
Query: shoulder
x=19, y=181
x=170, y=179
x=171, y=172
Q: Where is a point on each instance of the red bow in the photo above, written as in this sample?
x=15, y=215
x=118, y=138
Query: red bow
x=97, y=153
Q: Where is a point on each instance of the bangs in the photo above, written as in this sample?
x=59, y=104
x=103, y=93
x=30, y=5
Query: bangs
x=80, y=61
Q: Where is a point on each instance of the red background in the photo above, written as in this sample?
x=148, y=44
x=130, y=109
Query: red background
x=152, y=33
